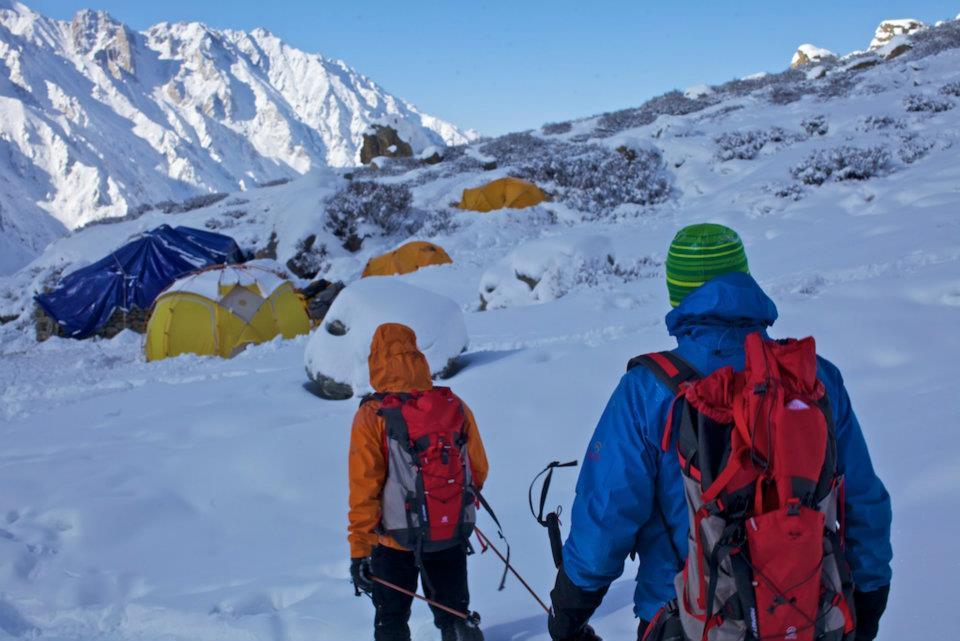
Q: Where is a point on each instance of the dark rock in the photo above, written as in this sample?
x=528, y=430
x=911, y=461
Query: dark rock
x=309, y=259
x=270, y=251
x=327, y=388
x=319, y=296
x=383, y=141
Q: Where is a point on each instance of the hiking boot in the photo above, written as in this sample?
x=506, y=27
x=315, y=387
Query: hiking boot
x=461, y=631
x=401, y=633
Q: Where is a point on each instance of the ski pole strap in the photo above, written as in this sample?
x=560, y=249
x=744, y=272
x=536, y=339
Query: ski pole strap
x=486, y=506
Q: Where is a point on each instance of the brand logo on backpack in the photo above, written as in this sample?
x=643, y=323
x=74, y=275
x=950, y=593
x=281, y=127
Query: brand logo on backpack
x=758, y=455
x=429, y=501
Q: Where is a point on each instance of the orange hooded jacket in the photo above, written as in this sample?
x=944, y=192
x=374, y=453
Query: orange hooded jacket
x=396, y=365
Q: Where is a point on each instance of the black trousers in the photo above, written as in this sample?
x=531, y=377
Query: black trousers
x=446, y=584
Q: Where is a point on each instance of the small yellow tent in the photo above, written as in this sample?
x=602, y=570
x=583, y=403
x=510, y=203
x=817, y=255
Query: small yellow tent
x=219, y=311
x=407, y=258
x=504, y=192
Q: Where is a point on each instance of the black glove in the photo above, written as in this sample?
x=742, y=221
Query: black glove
x=869, y=608
x=642, y=626
x=572, y=608
x=360, y=573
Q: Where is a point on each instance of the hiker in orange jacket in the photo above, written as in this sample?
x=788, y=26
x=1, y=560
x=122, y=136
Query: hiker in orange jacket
x=399, y=371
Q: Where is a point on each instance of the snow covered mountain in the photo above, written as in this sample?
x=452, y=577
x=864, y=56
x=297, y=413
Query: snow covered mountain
x=196, y=498
x=96, y=118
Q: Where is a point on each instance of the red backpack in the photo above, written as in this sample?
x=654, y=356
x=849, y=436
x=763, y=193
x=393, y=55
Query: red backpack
x=429, y=500
x=758, y=456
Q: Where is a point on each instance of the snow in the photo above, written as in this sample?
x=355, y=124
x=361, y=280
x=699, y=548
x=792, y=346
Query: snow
x=367, y=304
x=544, y=270
x=196, y=499
x=266, y=275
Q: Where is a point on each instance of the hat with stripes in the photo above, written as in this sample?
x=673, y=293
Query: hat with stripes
x=699, y=253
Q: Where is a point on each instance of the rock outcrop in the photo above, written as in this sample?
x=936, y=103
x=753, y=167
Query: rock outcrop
x=890, y=29
x=808, y=54
x=381, y=140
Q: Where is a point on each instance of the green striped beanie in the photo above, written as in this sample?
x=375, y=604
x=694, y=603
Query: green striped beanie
x=699, y=253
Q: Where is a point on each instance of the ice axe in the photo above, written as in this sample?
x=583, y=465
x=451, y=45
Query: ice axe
x=552, y=520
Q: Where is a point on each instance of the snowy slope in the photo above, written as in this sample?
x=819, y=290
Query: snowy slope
x=96, y=118
x=195, y=499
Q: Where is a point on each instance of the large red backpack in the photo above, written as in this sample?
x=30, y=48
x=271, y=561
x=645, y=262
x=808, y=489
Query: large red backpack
x=758, y=455
x=429, y=499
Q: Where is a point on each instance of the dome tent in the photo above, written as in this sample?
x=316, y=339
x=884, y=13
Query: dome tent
x=502, y=193
x=222, y=310
x=407, y=258
x=132, y=276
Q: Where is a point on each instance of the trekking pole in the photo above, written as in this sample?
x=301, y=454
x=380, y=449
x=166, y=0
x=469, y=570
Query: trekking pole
x=472, y=618
x=486, y=542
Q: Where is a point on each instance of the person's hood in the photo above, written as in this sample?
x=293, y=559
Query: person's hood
x=732, y=300
x=396, y=365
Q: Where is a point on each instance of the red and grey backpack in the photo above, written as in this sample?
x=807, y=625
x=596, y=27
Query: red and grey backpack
x=429, y=500
x=758, y=455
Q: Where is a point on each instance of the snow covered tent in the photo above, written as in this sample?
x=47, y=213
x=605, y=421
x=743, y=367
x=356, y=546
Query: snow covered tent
x=504, y=192
x=132, y=276
x=407, y=258
x=221, y=310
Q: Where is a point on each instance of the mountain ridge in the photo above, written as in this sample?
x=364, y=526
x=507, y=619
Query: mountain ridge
x=99, y=118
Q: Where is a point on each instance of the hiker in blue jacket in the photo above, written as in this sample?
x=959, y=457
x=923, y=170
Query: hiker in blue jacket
x=629, y=496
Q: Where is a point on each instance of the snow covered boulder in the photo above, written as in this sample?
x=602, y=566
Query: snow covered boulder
x=808, y=54
x=546, y=269
x=890, y=29
x=336, y=355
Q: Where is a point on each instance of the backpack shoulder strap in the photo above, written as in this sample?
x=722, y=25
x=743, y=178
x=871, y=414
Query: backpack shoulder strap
x=368, y=398
x=670, y=369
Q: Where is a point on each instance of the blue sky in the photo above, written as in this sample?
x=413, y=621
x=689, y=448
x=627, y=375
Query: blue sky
x=505, y=66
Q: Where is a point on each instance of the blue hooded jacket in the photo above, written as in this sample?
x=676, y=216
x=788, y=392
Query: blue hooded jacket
x=625, y=473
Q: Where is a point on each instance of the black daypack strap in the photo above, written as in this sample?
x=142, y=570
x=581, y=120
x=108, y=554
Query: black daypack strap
x=506, y=563
x=670, y=369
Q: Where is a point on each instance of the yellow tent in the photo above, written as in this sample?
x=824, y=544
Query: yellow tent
x=219, y=311
x=504, y=192
x=407, y=258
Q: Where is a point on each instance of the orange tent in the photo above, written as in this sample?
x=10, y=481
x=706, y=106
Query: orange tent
x=407, y=258
x=504, y=192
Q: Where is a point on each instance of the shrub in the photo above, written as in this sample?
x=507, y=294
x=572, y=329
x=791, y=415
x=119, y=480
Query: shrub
x=878, y=123
x=365, y=209
x=815, y=125
x=596, y=180
x=555, y=128
x=787, y=191
x=513, y=148
x=842, y=163
x=674, y=103
x=746, y=144
x=913, y=148
x=740, y=145
x=951, y=89
x=918, y=102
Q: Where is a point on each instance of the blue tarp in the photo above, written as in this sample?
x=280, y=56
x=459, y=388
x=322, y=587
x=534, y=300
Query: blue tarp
x=133, y=276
